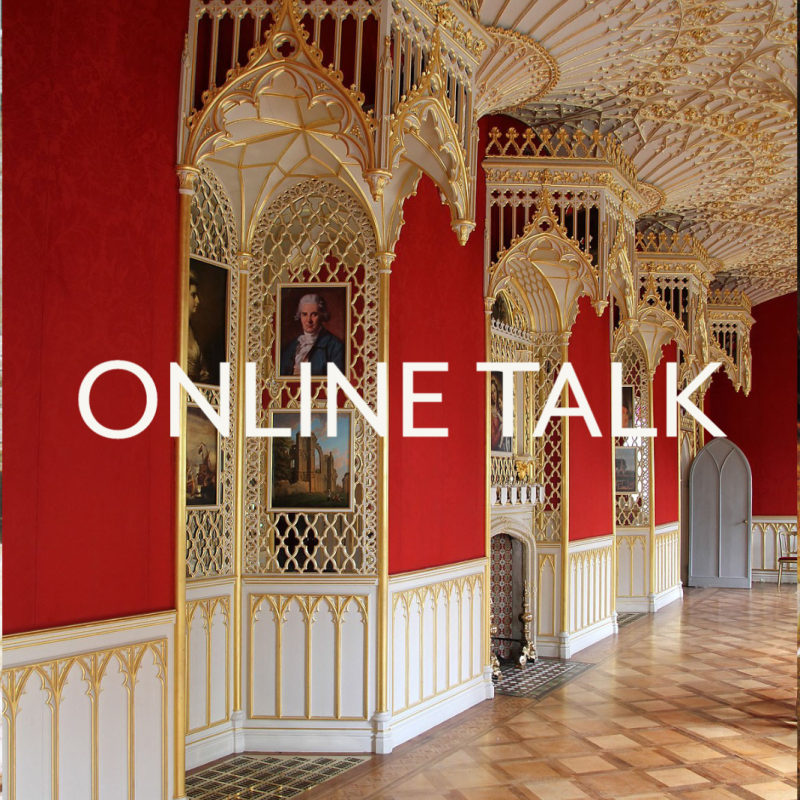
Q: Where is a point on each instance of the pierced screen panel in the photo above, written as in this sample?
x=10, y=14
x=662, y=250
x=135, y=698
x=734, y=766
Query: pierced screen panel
x=547, y=448
x=633, y=508
x=213, y=238
x=314, y=239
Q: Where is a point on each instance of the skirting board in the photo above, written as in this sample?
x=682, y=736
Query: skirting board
x=771, y=576
x=648, y=605
x=433, y=712
x=633, y=605
x=303, y=740
x=668, y=596
x=214, y=745
x=548, y=647
x=588, y=636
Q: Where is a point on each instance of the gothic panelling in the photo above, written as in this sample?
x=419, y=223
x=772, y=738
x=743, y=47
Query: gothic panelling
x=209, y=658
x=309, y=653
x=632, y=561
x=87, y=711
x=766, y=545
x=437, y=635
x=667, y=559
x=548, y=612
x=591, y=584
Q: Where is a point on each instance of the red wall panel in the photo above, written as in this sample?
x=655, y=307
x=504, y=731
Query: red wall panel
x=437, y=486
x=591, y=491
x=665, y=449
x=764, y=423
x=90, y=249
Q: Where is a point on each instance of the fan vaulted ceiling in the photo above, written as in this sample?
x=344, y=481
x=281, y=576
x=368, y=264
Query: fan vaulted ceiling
x=703, y=95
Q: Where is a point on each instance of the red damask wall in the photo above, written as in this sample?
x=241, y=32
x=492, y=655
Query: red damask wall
x=591, y=491
x=437, y=487
x=90, y=248
x=764, y=423
x=665, y=451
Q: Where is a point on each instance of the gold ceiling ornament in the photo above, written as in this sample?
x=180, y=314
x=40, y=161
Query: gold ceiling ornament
x=653, y=196
x=729, y=323
x=675, y=268
x=544, y=254
x=287, y=115
x=656, y=326
x=703, y=97
x=561, y=142
x=446, y=18
x=446, y=159
x=589, y=187
x=515, y=71
x=285, y=51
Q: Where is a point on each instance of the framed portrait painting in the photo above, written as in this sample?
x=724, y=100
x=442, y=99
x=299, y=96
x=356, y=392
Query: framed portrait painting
x=625, y=470
x=208, y=321
x=500, y=444
x=202, y=460
x=313, y=325
x=311, y=473
x=628, y=418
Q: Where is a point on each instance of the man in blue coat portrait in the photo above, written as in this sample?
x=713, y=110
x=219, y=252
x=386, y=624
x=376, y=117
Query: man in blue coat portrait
x=316, y=344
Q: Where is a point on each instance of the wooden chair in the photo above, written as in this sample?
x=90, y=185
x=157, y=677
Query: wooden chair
x=788, y=556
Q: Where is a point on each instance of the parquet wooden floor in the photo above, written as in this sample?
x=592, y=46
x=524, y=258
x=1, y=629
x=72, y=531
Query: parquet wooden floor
x=695, y=703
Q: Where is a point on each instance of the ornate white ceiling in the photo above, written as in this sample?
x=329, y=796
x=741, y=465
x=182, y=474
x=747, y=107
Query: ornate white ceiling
x=703, y=94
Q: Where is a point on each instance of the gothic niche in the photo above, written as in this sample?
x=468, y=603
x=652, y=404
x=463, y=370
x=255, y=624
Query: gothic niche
x=512, y=609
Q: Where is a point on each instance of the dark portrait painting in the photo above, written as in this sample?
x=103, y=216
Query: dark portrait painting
x=208, y=321
x=628, y=419
x=202, y=459
x=313, y=326
x=625, y=470
x=500, y=443
x=311, y=472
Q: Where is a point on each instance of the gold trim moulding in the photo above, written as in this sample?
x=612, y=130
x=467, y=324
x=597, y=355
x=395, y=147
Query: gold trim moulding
x=435, y=571
x=209, y=582
x=47, y=636
x=336, y=580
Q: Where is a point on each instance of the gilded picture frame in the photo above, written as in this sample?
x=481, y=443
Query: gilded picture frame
x=299, y=483
x=202, y=460
x=625, y=470
x=332, y=342
x=209, y=315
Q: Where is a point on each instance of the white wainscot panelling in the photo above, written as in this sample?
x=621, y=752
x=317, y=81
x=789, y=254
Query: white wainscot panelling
x=310, y=655
x=209, y=671
x=548, y=598
x=632, y=570
x=766, y=547
x=668, y=586
x=591, y=585
x=87, y=711
x=437, y=643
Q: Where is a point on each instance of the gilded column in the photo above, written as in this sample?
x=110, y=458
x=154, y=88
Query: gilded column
x=488, y=304
x=245, y=261
x=187, y=184
x=614, y=565
x=651, y=466
x=564, y=510
x=383, y=714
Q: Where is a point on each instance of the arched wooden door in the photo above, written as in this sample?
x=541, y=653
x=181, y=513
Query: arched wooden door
x=720, y=512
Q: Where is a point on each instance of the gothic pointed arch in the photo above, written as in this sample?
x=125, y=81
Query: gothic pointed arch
x=549, y=269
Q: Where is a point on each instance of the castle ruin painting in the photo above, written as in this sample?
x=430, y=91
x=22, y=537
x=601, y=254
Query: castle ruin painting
x=311, y=472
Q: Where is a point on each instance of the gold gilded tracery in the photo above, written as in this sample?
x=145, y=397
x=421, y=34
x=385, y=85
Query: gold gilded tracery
x=374, y=120
x=213, y=237
x=314, y=233
x=633, y=509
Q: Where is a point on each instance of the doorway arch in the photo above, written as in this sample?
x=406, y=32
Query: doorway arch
x=720, y=517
